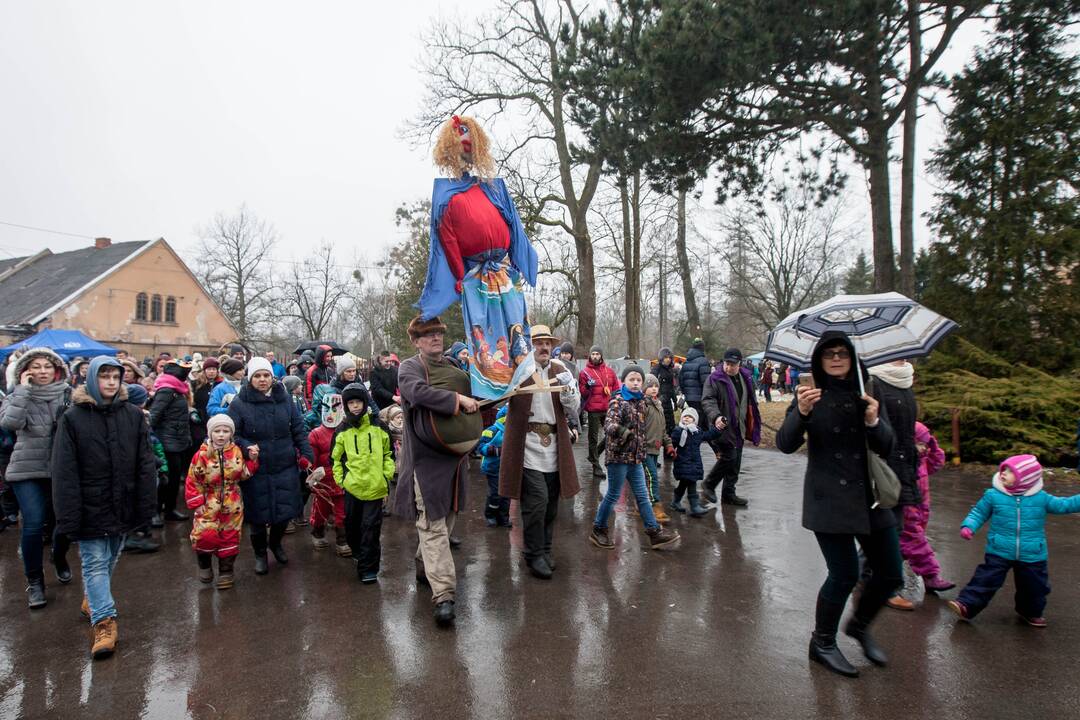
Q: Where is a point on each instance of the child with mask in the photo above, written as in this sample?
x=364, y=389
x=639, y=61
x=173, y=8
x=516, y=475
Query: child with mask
x=363, y=466
x=1016, y=508
x=104, y=486
x=232, y=378
x=329, y=498
x=688, y=470
x=212, y=491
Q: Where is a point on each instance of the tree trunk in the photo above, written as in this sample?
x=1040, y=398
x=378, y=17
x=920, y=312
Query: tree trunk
x=880, y=210
x=586, y=327
x=693, y=318
x=907, y=168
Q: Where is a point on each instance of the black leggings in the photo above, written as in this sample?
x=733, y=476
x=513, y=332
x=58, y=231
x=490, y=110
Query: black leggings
x=882, y=550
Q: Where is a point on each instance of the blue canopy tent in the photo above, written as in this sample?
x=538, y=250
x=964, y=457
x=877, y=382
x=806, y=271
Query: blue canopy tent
x=67, y=344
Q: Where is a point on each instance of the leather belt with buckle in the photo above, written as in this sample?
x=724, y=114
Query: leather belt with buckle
x=544, y=430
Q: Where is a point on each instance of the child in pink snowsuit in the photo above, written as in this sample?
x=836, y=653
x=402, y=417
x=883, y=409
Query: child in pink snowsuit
x=913, y=543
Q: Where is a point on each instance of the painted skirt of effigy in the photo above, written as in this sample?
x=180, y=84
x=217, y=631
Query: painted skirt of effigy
x=496, y=325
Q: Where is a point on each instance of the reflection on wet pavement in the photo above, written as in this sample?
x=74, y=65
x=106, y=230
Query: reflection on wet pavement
x=716, y=627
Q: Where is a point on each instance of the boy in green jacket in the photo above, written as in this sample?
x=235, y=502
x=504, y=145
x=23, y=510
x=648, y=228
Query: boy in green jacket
x=363, y=467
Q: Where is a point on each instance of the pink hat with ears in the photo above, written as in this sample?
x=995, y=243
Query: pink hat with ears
x=1027, y=470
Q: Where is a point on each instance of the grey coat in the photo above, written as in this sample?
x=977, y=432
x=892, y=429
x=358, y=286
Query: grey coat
x=32, y=413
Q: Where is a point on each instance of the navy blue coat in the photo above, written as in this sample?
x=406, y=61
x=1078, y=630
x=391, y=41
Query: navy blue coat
x=688, y=464
x=272, y=494
x=695, y=372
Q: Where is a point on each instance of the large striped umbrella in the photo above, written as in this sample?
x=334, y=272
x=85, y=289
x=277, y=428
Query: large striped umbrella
x=883, y=327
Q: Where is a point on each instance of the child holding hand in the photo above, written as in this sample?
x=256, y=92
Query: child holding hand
x=1016, y=508
x=688, y=470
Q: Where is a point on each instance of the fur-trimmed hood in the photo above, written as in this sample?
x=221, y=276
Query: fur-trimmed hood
x=62, y=374
x=80, y=396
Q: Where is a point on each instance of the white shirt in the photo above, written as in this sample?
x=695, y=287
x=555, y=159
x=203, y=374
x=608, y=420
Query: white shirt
x=538, y=457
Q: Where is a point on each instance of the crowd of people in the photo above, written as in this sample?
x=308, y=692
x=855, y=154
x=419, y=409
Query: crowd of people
x=99, y=452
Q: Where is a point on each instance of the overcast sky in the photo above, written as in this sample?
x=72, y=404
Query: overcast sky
x=137, y=120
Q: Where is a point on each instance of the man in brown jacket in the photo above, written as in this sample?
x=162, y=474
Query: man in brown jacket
x=537, y=458
x=431, y=489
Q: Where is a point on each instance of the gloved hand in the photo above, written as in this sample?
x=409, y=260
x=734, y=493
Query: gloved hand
x=589, y=382
x=671, y=451
x=565, y=378
x=966, y=533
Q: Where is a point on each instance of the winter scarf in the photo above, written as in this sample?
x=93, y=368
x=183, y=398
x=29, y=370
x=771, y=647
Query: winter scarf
x=901, y=376
x=628, y=394
x=688, y=429
x=165, y=380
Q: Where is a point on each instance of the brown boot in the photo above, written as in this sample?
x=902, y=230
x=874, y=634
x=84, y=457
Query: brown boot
x=106, y=635
x=85, y=607
x=225, y=572
x=658, y=512
x=661, y=537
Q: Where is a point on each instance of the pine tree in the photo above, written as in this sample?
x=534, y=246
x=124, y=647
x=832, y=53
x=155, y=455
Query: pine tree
x=859, y=278
x=1007, y=264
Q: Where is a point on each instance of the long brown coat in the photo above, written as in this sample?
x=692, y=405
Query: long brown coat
x=442, y=476
x=513, y=447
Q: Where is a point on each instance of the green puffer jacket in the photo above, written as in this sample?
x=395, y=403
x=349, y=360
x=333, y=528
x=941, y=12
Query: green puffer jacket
x=363, y=465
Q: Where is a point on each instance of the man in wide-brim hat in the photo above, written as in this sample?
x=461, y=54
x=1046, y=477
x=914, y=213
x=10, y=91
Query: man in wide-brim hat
x=537, y=458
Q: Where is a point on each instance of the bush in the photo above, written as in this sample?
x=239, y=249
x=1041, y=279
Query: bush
x=1005, y=409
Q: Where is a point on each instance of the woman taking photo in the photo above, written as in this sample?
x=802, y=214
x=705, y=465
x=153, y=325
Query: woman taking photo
x=269, y=428
x=31, y=411
x=838, y=423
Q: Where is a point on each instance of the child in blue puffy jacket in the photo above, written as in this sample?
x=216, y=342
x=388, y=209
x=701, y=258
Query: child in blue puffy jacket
x=497, y=509
x=687, y=469
x=1016, y=507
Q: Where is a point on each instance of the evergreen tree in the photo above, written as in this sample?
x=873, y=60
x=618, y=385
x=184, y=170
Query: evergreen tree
x=859, y=278
x=1007, y=264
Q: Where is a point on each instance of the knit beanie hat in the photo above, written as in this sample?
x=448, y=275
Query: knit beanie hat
x=1027, y=470
x=689, y=411
x=256, y=364
x=229, y=366
x=665, y=352
x=137, y=395
x=651, y=381
x=567, y=347
x=220, y=420
x=211, y=362
x=698, y=343
x=596, y=349
x=631, y=369
x=291, y=382
x=343, y=363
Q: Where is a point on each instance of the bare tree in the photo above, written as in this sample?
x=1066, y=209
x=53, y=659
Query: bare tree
x=783, y=254
x=693, y=317
x=510, y=62
x=313, y=291
x=233, y=264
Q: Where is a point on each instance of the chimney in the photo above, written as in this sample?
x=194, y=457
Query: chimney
x=102, y=243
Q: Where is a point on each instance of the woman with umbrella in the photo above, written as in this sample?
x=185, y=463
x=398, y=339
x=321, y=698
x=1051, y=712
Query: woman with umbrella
x=840, y=424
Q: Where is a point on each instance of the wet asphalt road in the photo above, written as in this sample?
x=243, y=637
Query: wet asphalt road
x=717, y=627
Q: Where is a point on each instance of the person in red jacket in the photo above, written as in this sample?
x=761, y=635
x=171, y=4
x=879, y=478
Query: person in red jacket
x=327, y=496
x=321, y=372
x=596, y=382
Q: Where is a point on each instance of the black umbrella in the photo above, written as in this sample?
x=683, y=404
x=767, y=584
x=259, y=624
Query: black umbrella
x=313, y=345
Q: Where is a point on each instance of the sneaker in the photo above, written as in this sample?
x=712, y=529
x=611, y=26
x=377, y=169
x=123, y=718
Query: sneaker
x=733, y=499
x=343, y=549
x=599, y=538
x=491, y=522
x=318, y=539
x=960, y=609
x=660, y=537
x=106, y=635
x=1039, y=622
x=369, y=577
x=290, y=528
x=935, y=583
x=898, y=602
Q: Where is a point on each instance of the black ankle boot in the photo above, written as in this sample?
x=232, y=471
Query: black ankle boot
x=261, y=566
x=279, y=554
x=35, y=593
x=823, y=649
x=63, y=569
x=857, y=631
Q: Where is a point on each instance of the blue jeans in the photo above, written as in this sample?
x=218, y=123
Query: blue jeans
x=617, y=474
x=99, y=557
x=652, y=477
x=35, y=503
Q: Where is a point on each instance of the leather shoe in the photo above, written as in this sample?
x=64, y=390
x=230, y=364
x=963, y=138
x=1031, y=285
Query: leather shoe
x=540, y=568
x=444, y=613
x=63, y=570
x=175, y=516
x=734, y=499
x=455, y=542
x=279, y=555
x=708, y=494
x=898, y=602
x=261, y=566
x=857, y=631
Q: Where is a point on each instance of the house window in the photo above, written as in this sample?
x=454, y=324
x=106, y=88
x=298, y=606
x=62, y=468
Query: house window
x=155, y=309
x=141, y=303
x=170, y=309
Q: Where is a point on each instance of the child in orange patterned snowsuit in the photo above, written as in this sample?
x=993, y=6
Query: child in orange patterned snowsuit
x=212, y=491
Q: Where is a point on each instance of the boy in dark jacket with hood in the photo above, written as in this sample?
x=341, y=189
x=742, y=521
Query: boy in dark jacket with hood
x=104, y=485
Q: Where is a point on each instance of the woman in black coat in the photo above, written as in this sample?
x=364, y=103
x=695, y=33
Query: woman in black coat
x=269, y=428
x=838, y=425
x=170, y=417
